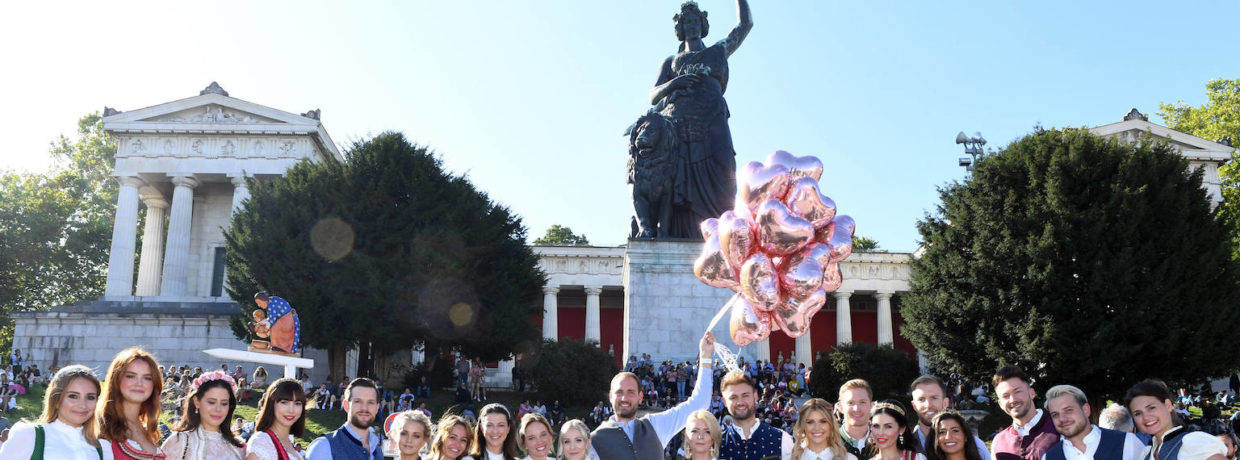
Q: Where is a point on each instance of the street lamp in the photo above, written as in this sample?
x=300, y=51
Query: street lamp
x=973, y=147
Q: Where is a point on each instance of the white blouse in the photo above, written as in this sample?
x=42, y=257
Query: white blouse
x=826, y=454
x=201, y=444
x=60, y=442
x=264, y=447
x=1194, y=446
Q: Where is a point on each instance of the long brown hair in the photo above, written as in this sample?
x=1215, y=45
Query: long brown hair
x=193, y=418
x=934, y=451
x=285, y=389
x=56, y=393
x=801, y=438
x=477, y=448
x=111, y=412
x=446, y=424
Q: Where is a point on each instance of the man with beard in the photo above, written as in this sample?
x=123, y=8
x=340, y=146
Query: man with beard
x=1079, y=439
x=929, y=398
x=354, y=440
x=856, y=400
x=1031, y=433
x=748, y=438
x=625, y=436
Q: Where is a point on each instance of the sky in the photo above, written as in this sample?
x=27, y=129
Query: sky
x=530, y=99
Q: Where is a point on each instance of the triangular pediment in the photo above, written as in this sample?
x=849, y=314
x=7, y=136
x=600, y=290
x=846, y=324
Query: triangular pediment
x=212, y=113
x=1192, y=147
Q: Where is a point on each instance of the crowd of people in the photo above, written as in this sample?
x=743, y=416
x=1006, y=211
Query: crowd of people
x=723, y=415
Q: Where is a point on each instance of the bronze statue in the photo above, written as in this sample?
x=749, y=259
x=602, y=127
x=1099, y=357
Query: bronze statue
x=689, y=92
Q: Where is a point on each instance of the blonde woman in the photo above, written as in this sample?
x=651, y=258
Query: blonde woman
x=816, y=436
x=67, y=425
x=536, y=438
x=702, y=436
x=575, y=441
x=409, y=433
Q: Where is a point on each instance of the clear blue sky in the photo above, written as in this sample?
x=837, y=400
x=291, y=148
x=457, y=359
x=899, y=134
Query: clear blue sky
x=530, y=98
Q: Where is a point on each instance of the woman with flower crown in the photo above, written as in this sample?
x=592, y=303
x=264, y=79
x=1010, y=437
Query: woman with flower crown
x=205, y=431
x=891, y=435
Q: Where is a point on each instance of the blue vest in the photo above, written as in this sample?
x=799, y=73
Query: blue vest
x=766, y=443
x=1170, y=449
x=346, y=447
x=1110, y=447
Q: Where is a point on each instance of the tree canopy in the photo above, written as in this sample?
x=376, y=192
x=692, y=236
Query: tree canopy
x=561, y=236
x=1217, y=119
x=56, y=227
x=385, y=252
x=1082, y=259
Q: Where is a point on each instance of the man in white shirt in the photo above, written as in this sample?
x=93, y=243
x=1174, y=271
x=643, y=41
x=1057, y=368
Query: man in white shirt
x=626, y=436
x=930, y=397
x=1080, y=440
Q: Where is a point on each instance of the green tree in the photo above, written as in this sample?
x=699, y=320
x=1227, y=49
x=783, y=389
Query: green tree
x=1217, y=119
x=385, y=252
x=56, y=227
x=886, y=369
x=571, y=371
x=561, y=236
x=1082, y=259
x=864, y=243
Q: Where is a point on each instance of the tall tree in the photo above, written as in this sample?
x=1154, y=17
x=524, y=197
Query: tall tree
x=1084, y=260
x=386, y=252
x=1217, y=119
x=56, y=227
x=561, y=236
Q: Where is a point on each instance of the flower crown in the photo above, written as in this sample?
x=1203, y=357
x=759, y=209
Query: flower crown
x=213, y=375
x=887, y=405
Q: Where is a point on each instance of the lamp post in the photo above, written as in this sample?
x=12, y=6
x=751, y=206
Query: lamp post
x=973, y=147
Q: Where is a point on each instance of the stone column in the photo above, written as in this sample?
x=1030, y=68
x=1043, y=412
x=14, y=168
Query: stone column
x=804, y=351
x=124, y=239
x=843, y=317
x=763, y=353
x=152, y=258
x=592, y=314
x=240, y=192
x=885, y=335
x=550, y=311
x=176, y=256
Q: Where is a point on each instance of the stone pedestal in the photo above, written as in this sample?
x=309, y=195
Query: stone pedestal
x=666, y=308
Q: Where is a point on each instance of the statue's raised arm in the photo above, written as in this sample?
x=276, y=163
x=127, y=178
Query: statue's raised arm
x=744, y=24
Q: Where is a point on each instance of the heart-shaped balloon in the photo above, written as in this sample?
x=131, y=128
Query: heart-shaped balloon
x=801, y=278
x=747, y=326
x=814, y=251
x=806, y=201
x=759, y=283
x=832, y=278
x=806, y=166
x=737, y=237
x=709, y=227
x=712, y=266
x=780, y=232
x=794, y=314
x=756, y=183
x=841, y=237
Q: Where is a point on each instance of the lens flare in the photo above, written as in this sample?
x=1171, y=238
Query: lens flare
x=332, y=238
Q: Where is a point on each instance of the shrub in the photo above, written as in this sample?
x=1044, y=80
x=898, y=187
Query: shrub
x=571, y=371
x=888, y=370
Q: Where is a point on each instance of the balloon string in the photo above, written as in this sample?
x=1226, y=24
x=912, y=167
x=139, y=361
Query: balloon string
x=718, y=316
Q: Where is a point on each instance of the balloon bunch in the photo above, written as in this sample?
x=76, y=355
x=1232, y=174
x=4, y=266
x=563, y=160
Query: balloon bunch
x=780, y=248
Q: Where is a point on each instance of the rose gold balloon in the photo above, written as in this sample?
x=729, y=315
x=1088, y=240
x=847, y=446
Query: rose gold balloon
x=794, y=316
x=806, y=166
x=737, y=237
x=709, y=227
x=712, y=266
x=756, y=183
x=759, y=283
x=800, y=278
x=832, y=278
x=747, y=326
x=780, y=232
x=841, y=238
x=823, y=235
x=814, y=251
x=806, y=201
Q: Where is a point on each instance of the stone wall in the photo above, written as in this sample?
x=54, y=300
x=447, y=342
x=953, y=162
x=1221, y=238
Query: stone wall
x=212, y=211
x=666, y=308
